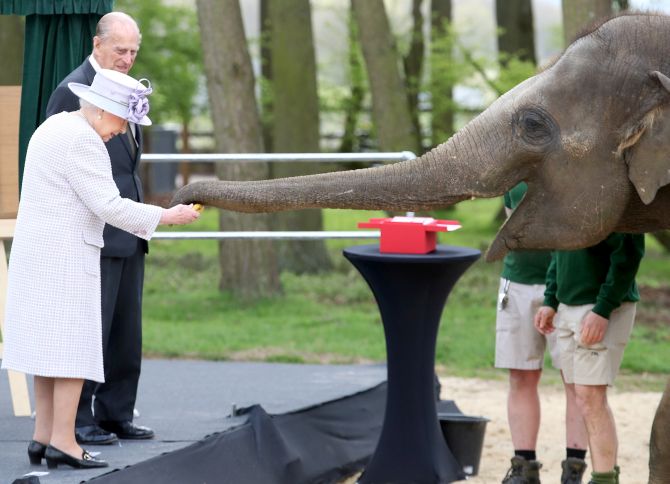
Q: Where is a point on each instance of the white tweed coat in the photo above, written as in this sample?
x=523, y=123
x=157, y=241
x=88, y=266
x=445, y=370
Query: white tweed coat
x=53, y=325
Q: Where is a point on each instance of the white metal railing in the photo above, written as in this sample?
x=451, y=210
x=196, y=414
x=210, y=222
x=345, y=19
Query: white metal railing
x=278, y=157
x=278, y=235
x=274, y=158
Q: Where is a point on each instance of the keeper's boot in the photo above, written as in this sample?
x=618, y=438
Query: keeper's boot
x=611, y=477
x=523, y=471
x=573, y=470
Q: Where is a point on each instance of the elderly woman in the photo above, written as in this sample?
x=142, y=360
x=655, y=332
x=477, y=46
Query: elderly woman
x=53, y=322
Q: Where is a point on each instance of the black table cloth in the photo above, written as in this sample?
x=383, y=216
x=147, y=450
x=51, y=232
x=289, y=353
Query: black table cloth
x=411, y=291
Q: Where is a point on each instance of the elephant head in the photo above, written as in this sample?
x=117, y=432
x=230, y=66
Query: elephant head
x=589, y=135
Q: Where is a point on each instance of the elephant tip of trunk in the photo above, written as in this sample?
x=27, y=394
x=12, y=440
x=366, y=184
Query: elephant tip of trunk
x=195, y=192
x=175, y=200
x=182, y=196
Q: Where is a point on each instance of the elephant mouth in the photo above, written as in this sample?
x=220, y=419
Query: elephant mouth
x=512, y=235
x=501, y=245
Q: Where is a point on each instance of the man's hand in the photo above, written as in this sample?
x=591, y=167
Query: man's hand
x=593, y=328
x=544, y=319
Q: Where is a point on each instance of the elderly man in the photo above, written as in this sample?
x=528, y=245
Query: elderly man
x=110, y=414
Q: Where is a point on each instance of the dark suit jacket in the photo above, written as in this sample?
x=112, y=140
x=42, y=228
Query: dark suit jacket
x=118, y=243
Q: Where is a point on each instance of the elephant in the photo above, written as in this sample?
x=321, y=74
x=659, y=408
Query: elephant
x=589, y=134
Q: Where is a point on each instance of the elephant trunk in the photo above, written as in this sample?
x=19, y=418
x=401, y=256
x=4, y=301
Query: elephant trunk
x=659, y=464
x=459, y=169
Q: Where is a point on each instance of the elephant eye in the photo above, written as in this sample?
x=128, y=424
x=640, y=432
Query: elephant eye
x=532, y=126
x=535, y=126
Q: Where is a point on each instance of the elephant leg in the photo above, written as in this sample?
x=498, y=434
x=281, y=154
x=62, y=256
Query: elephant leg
x=659, y=445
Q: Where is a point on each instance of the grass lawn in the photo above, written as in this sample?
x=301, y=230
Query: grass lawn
x=332, y=317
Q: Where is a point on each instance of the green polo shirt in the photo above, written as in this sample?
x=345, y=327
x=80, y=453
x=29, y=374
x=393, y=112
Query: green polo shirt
x=524, y=266
x=603, y=275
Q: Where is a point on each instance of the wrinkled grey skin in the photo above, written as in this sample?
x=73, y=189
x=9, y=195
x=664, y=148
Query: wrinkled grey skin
x=590, y=135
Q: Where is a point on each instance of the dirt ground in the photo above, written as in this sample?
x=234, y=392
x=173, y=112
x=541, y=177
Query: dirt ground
x=633, y=411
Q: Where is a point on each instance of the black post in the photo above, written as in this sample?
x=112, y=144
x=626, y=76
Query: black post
x=162, y=175
x=411, y=291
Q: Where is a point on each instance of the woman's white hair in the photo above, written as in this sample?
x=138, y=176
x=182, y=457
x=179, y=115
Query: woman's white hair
x=86, y=105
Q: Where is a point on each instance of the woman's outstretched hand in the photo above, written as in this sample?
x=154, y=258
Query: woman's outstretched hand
x=179, y=215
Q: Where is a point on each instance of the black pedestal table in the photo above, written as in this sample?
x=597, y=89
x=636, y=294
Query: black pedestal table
x=411, y=291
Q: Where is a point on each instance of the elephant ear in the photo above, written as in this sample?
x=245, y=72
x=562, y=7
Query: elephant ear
x=649, y=159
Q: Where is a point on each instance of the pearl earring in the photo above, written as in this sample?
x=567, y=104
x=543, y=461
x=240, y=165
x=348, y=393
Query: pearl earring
x=99, y=116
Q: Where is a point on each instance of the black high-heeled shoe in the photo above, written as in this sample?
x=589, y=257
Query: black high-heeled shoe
x=87, y=461
x=36, y=452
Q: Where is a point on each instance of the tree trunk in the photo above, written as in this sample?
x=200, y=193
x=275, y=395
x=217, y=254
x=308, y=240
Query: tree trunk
x=354, y=104
x=266, y=75
x=515, y=29
x=441, y=86
x=579, y=14
x=11, y=40
x=248, y=268
x=390, y=109
x=620, y=5
x=295, y=125
x=413, y=63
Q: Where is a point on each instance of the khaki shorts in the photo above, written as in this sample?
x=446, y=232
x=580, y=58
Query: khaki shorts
x=519, y=345
x=597, y=364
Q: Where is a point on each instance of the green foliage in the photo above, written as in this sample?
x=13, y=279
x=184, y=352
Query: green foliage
x=514, y=72
x=316, y=320
x=642, y=352
x=446, y=70
x=452, y=63
x=170, y=56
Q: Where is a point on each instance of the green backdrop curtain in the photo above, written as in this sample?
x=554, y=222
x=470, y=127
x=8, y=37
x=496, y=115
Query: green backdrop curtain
x=58, y=37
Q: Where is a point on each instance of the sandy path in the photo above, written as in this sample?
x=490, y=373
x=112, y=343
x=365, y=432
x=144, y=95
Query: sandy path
x=633, y=411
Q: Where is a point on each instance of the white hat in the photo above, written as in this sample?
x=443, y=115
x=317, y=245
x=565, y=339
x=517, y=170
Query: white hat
x=118, y=94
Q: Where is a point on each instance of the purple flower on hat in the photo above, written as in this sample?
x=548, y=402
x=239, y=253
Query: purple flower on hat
x=138, y=104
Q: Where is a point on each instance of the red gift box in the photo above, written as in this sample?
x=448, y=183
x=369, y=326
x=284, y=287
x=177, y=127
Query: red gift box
x=409, y=235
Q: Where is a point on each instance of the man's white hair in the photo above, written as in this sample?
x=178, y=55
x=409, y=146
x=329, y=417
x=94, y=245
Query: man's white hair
x=106, y=24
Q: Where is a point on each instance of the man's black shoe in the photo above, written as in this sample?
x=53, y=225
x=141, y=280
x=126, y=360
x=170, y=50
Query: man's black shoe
x=94, y=435
x=128, y=430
